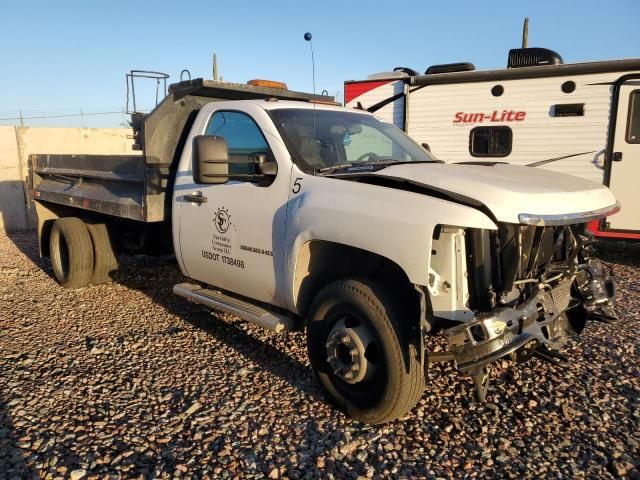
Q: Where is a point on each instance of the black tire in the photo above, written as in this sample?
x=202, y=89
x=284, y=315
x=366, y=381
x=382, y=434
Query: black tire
x=397, y=381
x=71, y=252
x=104, y=257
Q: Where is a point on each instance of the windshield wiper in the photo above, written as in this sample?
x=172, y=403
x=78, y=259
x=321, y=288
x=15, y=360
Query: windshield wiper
x=383, y=162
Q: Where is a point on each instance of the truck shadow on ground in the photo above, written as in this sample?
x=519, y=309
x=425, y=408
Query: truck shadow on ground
x=26, y=242
x=155, y=277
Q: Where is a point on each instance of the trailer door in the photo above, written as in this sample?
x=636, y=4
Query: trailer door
x=625, y=166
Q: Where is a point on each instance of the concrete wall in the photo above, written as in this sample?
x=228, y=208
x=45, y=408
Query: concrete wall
x=12, y=202
x=17, y=143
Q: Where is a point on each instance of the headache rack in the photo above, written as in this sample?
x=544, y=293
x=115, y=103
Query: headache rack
x=138, y=186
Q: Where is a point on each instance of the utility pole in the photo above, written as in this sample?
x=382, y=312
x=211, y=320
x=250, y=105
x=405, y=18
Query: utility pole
x=215, y=67
x=21, y=119
x=525, y=33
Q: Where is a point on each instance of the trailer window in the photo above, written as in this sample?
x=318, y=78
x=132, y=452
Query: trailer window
x=490, y=141
x=633, y=128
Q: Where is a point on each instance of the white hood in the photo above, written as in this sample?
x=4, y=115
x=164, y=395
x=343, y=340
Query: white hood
x=511, y=191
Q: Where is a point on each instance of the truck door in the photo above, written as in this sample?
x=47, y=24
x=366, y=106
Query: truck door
x=234, y=239
x=625, y=164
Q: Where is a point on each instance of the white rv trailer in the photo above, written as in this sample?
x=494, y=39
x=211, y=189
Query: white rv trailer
x=582, y=119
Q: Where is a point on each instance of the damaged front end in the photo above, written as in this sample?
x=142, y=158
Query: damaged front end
x=529, y=289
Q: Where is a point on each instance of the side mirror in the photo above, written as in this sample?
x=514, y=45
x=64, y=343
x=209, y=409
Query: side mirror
x=426, y=147
x=210, y=159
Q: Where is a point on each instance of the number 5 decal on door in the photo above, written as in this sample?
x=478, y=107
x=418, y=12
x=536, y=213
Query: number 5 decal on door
x=297, y=185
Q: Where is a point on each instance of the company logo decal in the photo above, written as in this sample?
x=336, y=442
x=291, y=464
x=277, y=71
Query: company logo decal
x=222, y=220
x=222, y=245
x=495, y=116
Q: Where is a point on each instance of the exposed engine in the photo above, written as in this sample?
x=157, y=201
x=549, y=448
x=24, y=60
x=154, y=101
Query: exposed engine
x=530, y=288
x=512, y=264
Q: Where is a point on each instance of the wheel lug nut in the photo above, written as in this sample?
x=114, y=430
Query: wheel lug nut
x=346, y=338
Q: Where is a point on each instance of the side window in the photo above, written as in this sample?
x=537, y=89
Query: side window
x=633, y=127
x=243, y=136
x=490, y=141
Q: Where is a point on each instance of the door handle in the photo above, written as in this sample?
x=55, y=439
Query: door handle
x=196, y=197
x=617, y=156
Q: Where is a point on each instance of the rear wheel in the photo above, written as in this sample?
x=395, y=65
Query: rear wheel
x=361, y=354
x=104, y=257
x=71, y=252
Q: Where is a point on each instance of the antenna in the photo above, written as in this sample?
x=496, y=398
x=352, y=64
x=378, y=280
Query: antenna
x=525, y=33
x=308, y=37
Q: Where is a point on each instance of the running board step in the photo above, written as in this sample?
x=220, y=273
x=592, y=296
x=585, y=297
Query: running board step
x=250, y=312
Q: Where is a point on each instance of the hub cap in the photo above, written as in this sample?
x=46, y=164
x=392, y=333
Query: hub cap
x=346, y=348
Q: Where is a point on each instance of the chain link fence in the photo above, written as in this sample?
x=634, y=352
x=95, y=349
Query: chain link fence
x=115, y=117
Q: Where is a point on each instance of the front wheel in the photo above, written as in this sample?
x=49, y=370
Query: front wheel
x=360, y=352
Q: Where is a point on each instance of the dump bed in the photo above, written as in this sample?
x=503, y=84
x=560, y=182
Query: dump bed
x=138, y=187
x=119, y=185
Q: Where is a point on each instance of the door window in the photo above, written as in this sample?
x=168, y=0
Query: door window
x=633, y=127
x=243, y=136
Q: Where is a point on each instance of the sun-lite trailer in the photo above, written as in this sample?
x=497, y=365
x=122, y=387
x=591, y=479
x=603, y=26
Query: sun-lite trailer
x=581, y=119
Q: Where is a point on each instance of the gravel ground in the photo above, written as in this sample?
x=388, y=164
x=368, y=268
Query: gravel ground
x=128, y=381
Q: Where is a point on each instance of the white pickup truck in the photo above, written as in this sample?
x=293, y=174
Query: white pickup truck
x=295, y=214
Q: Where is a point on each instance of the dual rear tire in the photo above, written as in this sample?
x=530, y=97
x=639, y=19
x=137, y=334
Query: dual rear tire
x=81, y=253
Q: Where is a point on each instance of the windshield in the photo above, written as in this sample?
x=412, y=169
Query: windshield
x=322, y=139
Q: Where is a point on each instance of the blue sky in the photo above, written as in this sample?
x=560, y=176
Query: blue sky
x=63, y=56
